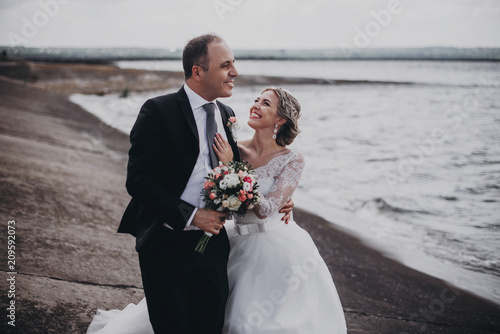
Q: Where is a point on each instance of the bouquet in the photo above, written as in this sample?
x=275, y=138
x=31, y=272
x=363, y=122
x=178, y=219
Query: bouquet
x=230, y=188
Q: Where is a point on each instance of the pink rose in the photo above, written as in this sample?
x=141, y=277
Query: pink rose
x=212, y=196
x=250, y=196
x=232, y=119
x=242, y=198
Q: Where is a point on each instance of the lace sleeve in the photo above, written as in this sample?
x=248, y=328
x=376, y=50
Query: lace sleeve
x=283, y=188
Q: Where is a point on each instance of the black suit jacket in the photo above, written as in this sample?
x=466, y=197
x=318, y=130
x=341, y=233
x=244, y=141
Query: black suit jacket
x=164, y=151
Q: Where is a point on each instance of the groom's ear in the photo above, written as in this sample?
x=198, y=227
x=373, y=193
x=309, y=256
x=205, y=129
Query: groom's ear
x=197, y=73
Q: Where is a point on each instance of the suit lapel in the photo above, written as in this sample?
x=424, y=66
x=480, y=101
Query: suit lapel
x=189, y=116
x=225, y=118
x=187, y=111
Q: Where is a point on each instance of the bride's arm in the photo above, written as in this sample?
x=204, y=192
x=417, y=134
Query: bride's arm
x=283, y=188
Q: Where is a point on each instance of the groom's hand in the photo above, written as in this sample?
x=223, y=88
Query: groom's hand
x=210, y=221
x=287, y=210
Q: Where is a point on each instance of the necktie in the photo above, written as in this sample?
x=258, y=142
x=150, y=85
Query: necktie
x=211, y=131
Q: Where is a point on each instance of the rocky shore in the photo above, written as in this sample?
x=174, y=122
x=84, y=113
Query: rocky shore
x=62, y=176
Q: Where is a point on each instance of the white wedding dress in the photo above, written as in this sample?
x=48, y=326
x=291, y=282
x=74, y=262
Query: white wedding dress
x=278, y=282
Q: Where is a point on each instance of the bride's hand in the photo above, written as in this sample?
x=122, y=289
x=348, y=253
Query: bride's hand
x=222, y=149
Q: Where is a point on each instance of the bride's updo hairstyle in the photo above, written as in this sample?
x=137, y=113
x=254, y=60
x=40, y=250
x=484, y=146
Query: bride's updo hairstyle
x=289, y=110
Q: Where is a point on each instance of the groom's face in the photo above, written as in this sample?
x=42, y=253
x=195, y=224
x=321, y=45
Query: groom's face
x=218, y=81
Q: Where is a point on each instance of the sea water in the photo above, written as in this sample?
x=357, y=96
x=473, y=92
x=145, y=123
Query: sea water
x=406, y=156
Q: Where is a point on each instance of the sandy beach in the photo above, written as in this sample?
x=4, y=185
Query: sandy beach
x=62, y=181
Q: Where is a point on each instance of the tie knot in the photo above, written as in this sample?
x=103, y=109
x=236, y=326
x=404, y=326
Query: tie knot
x=209, y=108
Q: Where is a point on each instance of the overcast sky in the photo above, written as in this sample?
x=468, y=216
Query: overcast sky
x=251, y=24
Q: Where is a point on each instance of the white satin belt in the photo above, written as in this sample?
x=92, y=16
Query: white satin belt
x=261, y=227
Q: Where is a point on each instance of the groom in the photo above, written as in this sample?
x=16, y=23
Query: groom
x=170, y=154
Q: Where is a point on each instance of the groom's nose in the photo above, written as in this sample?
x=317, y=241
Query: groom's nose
x=233, y=72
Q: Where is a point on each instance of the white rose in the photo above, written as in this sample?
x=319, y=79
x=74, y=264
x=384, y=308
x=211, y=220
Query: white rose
x=233, y=203
x=223, y=184
x=232, y=180
x=217, y=170
x=247, y=186
x=225, y=203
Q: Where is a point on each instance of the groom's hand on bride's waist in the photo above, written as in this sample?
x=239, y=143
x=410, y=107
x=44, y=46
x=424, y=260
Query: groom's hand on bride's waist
x=287, y=210
x=210, y=221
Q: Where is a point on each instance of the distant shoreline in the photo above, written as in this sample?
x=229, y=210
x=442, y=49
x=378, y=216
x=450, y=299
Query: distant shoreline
x=101, y=79
x=109, y=55
x=110, y=61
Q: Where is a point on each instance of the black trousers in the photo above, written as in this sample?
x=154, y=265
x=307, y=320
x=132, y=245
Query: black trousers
x=186, y=291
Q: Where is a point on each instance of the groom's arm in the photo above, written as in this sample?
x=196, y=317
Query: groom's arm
x=147, y=158
x=287, y=210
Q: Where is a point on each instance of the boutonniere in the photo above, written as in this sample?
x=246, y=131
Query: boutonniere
x=233, y=125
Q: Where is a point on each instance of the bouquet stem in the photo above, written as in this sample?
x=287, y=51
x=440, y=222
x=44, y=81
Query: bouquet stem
x=202, y=244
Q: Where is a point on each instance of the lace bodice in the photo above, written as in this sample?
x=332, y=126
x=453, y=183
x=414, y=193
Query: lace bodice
x=277, y=182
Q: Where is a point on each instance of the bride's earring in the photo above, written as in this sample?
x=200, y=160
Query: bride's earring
x=275, y=130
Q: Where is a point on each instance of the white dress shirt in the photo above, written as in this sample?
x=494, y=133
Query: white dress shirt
x=192, y=192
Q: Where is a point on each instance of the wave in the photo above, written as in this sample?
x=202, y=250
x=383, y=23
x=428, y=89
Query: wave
x=492, y=227
x=449, y=198
x=382, y=206
x=247, y=79
x=383, y=159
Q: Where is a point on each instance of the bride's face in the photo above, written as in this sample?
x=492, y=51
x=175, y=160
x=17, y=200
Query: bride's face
x=264, y=111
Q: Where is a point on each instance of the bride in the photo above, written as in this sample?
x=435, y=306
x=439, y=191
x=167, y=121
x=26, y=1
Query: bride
x=278, y=281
